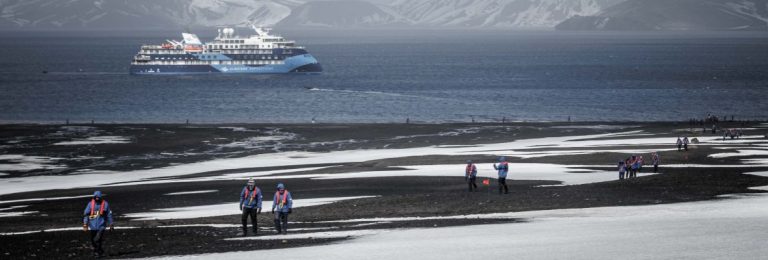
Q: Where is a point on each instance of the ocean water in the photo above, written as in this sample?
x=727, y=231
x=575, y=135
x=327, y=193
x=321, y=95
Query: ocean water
x=388, y=76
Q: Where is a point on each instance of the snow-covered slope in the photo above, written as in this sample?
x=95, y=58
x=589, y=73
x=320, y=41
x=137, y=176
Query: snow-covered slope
x=150, y=14
x=496, y=13
x=676, y=15
x=343, y=13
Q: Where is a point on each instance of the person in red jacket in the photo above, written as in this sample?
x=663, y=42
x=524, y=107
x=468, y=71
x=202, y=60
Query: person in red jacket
x=470, y=174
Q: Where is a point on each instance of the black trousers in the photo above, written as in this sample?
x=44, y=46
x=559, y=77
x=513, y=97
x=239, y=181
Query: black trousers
x=471, y=183
x=503, y=185
x=247, y=212
x=281, y=222
x=655, y=168
x=97, y=237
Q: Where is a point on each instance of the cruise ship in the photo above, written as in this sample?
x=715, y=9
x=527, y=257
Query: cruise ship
x=262, y=53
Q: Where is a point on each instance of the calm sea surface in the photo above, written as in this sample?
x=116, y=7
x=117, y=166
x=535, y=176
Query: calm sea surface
x=388, y=76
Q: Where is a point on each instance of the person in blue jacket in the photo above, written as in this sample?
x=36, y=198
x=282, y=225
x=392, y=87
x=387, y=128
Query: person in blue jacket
x=503, y=169
x=283, y=202
x=622, y=169
x=96, y=217
x=470, y=174
x=250, y=205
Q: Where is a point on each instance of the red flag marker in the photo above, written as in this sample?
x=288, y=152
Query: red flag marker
x=486, y=182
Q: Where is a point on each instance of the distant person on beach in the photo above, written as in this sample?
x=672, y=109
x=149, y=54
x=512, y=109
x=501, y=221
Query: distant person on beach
x=656, y=161
x=96, y=217
x=679, y=144
x=627, y=167
x=622, y=169
x=503, y=169
x=685, y=143
x=250, y=205
x=283, y=202
x=635, y=166
x=470, y=174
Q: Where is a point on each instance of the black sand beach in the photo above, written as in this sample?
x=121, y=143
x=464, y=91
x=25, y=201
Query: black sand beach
x=156, y=146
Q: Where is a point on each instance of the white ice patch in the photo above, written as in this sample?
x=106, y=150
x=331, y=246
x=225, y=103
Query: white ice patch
x=229, y=176
x=4, y=174
x=7, y=212
x=719, y=229
x=97, y=140
x=740, y=153
x=314, y=235
x=237, y=129
x=756, y=162
x=190, y=192
x=23, y=163
x=16, y=213
x=226, y=209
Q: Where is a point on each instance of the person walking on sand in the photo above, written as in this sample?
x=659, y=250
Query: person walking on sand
x=627, y=167
x=685, y=143
x=503, y=169
x=283, y=202
x=635, y=166
x=470, y=174
x=656, y=161
x=622, y=170
x=96, y=217
x=250, y=205
x=679, y=144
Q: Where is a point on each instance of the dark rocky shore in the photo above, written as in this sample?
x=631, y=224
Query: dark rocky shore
x=162, y=145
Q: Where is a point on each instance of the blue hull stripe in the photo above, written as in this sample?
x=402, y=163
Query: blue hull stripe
x=290, y=64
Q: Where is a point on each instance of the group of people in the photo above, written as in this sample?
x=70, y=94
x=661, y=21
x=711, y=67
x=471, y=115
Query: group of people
x=733, y=133
x=97, y=217
x=250, y=206
x=502, y=169
x=629, y=167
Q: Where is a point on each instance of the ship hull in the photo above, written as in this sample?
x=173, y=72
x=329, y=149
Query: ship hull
x=304, y=63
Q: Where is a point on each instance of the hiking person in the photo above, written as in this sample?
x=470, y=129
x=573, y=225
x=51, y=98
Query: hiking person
x=250, y=205
x=635, y=166
x=656, y=160
x=470, y=175
x=679, y=144
x=283, y=202
x=640, y=163
x=503, y=169
x=622, y=170
x=96, y=217
x=627, y=167
x=685, y=143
